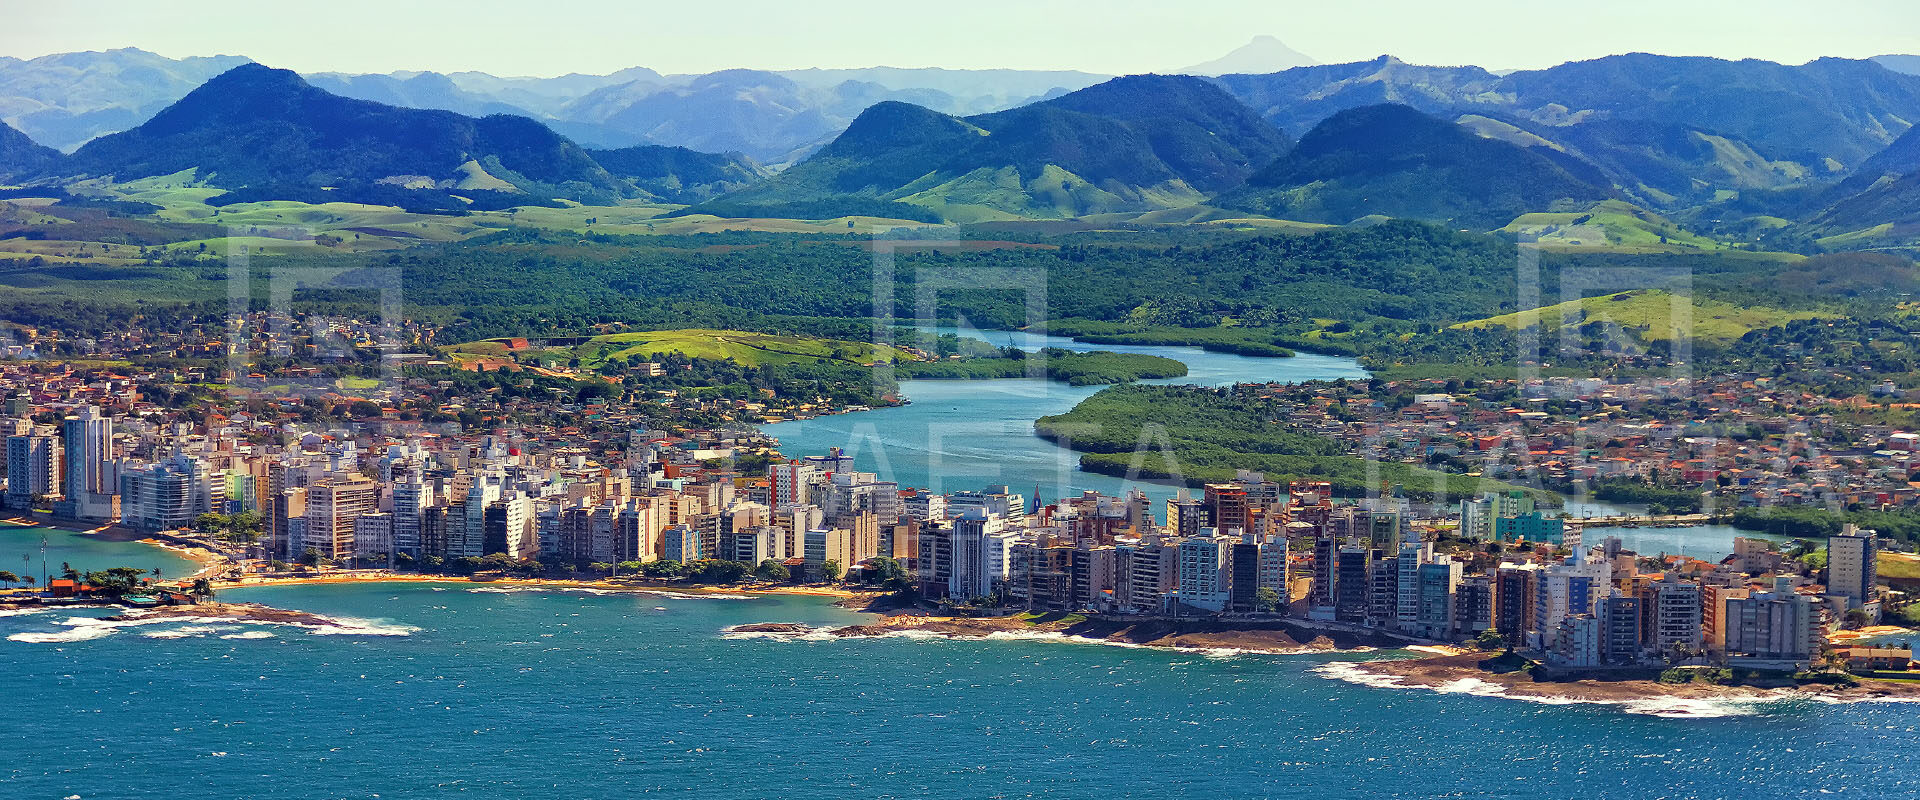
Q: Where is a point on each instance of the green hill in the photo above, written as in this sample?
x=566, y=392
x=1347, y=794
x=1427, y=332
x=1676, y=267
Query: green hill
x=1879, y=204
x=1670, y=131
x=679, y=175
x=1131, y=144
x=1612, y=225
x=1650, y=315
x=1394, y=161
x=22, y=156
x=263, y=128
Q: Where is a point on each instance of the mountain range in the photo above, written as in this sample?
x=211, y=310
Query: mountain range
x=255, y=126
x=1391, y=160
x=1137, y=143
x=65, y=100
x=1828, y=140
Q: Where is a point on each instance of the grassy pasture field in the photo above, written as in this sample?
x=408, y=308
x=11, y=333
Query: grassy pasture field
x=750, y=349
x=1651, y=313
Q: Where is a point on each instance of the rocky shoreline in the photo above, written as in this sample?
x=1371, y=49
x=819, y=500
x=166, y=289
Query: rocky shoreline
x=1273, y=637
x=231, y=612
x=1487, y=674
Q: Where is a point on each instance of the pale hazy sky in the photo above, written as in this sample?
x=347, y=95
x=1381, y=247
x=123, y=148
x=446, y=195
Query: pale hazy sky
x=1120, y=36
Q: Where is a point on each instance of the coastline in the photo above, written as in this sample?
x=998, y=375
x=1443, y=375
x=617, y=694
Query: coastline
x=534, y=584
x=1271, y=637
x=1467, y=673
x=205, y=561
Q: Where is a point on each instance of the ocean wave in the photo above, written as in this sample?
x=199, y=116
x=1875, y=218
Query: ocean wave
x=355, y=626
x=184, y=632
x=80, y=629
x=1677, y=707
x=686, y=596
x=60, y=637
x=667, y=593
x=539, y=590
x=249, y=635
x=920, y=635
x=809, y=636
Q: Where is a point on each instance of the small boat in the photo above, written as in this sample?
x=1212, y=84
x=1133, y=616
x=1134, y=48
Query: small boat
x=659, y=608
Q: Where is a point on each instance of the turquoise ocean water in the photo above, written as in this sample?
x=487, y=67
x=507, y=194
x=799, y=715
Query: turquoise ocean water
x=448, y=692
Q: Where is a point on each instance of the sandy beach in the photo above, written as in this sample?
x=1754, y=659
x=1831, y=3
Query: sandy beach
x=1868, y=632
x=206, y=562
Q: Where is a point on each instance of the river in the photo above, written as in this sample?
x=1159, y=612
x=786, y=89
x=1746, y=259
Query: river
x=957, y=435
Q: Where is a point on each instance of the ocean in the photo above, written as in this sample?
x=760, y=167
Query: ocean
x=458, y=691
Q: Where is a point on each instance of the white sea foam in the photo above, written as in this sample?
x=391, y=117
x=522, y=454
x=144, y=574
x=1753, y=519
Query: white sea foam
x=686, y=596
x=21, y=612
x=249, y=635
x=354, y=626
x=809, y=636
x=1680, y=707
x=915, y=634
x=1350, y=672
x=57, y=637
x=80, y=629
x=181, y=632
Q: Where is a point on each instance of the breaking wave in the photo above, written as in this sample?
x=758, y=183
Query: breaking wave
x=80, y=629
x=1678, y=707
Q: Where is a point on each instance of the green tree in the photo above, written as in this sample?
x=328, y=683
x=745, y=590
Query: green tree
x=1266, y=599
x=715, y=571
x=831, y=571
x=887, y=573
x=1490, y=639
x=771, y=570
x=664, y=568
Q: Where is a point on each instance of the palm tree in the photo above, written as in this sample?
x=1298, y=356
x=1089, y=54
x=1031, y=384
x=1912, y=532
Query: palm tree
x=7, y=577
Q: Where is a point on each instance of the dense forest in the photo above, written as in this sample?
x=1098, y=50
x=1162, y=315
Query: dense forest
x=1198, y=435
x=1401, y=272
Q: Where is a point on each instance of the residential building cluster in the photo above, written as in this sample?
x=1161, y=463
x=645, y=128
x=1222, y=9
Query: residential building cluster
x=1739, y=440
